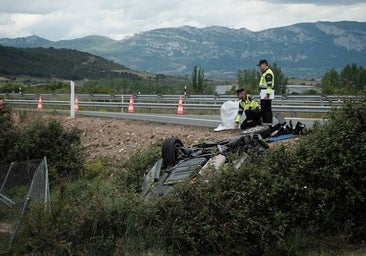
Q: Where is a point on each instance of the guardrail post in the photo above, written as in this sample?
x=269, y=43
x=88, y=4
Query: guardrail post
x=322, y=98
x=283, y=98
x=122, y=103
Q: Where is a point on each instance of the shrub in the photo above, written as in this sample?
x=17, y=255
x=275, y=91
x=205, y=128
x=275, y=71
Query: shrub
x=88, y=218
x=62, y=147
x=332, y=165
x=235, y=213
x=137, y=165
x=8, y=133
x=95, y=169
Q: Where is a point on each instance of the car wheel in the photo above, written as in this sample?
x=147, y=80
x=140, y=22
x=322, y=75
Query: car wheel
x=263, y=130
x=170, y=151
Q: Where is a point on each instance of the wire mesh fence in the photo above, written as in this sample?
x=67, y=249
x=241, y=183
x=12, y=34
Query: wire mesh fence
x=22, y=184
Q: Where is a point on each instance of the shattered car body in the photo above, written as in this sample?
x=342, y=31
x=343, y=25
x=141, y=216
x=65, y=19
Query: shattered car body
x=180, y=162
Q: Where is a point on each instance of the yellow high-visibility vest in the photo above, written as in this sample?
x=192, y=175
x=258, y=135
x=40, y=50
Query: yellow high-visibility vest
x=263, y=84
x=246, y=104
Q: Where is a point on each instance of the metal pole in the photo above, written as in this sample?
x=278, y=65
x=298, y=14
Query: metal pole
x=24, y=207
x=122, y=102
x=72, y=98
x=6, y=177
x=47, y=196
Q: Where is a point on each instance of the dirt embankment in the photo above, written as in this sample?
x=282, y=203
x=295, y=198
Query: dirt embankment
x=119, y=138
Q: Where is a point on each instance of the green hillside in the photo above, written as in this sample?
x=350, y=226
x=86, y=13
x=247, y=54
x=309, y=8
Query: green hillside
x=58, y=63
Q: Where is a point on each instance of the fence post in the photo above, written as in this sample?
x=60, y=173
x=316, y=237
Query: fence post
x=72, y=98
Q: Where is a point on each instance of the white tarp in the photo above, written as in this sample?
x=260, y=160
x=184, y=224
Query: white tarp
x=229, y=110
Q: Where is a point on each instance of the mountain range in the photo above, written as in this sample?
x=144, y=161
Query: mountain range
x=303, y=50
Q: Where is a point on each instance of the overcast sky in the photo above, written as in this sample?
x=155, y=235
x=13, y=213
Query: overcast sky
x=69, y=19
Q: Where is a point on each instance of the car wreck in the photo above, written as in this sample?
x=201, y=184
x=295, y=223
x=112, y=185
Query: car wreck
x=179, y=162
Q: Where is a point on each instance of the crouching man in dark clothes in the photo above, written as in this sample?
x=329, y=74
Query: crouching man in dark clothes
x=251, y=109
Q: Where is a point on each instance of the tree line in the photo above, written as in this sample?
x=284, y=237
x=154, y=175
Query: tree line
x=249, y=78
x=350, y=80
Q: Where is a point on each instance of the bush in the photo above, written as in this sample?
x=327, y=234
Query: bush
x=317, y=188
x=99, y=215
x=8, y=133
x=95, y=169
x=88, y=218
x=62, y=147
x=332, y=165
x=235, y=213
x=137, y=165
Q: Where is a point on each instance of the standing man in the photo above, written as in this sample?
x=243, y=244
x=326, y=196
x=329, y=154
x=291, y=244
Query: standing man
x=251, y=109
x=266, y=85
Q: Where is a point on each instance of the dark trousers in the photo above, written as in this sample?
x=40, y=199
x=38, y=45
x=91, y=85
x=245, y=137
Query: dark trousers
x=266, y=111
x=253, y=118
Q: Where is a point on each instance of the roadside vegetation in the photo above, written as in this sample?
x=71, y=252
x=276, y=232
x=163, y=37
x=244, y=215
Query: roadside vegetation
x=307, y=198
x=40, y=138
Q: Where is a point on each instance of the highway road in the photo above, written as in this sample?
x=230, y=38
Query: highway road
x=210, y=121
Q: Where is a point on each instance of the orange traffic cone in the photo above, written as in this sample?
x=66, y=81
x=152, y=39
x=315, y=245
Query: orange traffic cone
x=130, y=105
x=180, y=106
x=39, y=107
x=76, y=104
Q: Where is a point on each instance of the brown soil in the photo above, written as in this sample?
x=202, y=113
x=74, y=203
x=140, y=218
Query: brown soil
x=119, y=138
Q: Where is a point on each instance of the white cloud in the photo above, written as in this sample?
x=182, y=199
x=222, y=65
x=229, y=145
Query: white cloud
x=319, y=2
x=56, y=20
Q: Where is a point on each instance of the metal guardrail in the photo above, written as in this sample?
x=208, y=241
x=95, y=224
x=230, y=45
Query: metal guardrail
x=150, y=106
x=101, y=102
x=316, y=100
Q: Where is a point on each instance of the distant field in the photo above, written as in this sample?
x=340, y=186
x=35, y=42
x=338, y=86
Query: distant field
x=303, y=81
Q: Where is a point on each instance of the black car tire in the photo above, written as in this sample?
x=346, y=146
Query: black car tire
x=170, y=151
x=263, y=130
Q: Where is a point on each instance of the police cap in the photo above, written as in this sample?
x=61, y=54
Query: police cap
x=240, y=90
x=262, y=62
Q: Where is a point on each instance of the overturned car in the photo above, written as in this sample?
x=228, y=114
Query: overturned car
x=180, y=162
